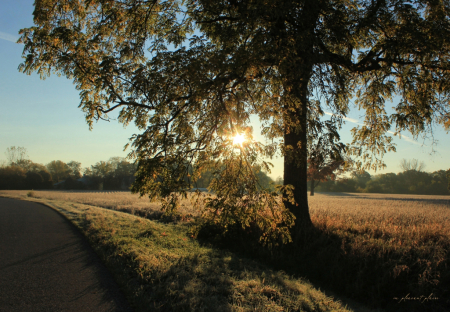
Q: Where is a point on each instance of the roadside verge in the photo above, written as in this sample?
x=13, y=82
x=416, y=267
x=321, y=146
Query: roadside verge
x=161, y=268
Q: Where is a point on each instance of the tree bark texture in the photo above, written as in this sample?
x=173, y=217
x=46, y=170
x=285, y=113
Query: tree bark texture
x=295, y=140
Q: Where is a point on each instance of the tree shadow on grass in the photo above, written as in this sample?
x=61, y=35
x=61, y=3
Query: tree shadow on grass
x=373, y=273
x=222, y=281
x=191, y=284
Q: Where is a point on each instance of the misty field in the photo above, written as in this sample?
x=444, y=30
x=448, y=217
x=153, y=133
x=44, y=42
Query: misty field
x=374, y=248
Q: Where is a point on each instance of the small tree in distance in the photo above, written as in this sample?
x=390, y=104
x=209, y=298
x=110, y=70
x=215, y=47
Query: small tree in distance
x=413, y=164
x=17, y=155
x=322, y=172
x=75, y=169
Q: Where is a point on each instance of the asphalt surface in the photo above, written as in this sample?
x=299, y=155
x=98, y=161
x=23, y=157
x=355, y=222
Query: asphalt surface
x=47, y=265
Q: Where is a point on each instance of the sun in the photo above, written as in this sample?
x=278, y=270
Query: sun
x=238, y=139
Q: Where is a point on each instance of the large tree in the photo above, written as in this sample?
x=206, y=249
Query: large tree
x=190, y=73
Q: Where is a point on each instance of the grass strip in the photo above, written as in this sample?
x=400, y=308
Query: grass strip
x=161, y=268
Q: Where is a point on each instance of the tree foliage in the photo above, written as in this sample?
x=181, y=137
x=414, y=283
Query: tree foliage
x=12, y=178
x=75, y=169
x=448, y=177
x=115, y=174
x=361, y=178
x=22, y=173
x=59, y=170
x=406, y=182
x=326, y=155
x=191, y=73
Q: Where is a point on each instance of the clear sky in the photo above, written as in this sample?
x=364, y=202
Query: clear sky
x=43, y=115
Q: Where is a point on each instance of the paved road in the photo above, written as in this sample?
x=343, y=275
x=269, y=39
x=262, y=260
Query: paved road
x=47, y=265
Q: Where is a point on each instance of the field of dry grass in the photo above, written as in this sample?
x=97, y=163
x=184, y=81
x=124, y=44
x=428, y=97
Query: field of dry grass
x=115, y=200
x=384, y=246
x=397, y=210
x=371, y=247
x=394, y=217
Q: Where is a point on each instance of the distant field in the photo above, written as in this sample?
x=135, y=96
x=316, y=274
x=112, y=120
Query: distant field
x=410, y=214
x=383, y=215
x=116, y=200
x=396, y=210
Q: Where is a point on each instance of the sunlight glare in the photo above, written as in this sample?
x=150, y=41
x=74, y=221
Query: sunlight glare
x=239, y=139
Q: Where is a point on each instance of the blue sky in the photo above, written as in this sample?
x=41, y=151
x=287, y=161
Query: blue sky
x=43, y=115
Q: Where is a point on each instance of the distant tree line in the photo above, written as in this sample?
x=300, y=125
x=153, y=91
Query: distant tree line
x=118, y=174
x=115, y=174
x=21, y=173
x=263, y=180
x=411, y=180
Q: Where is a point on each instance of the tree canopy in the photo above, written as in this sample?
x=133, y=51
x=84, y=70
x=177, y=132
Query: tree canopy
x=190, y=74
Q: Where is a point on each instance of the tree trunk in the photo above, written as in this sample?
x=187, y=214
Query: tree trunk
x=296, y=69
x=295, y=175
x=311, y=187
x=295, y=154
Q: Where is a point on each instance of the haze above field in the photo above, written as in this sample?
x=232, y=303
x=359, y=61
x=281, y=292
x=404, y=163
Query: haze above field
x=43, y=115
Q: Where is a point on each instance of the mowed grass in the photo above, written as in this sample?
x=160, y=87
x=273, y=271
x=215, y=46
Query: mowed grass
x=374, y=248
x=162, y=268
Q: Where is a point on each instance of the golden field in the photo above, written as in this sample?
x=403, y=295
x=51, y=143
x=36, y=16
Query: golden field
x=373, y=248
x=390, y=217
x=399, y=220
x=384, y=215
x=391, y=213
